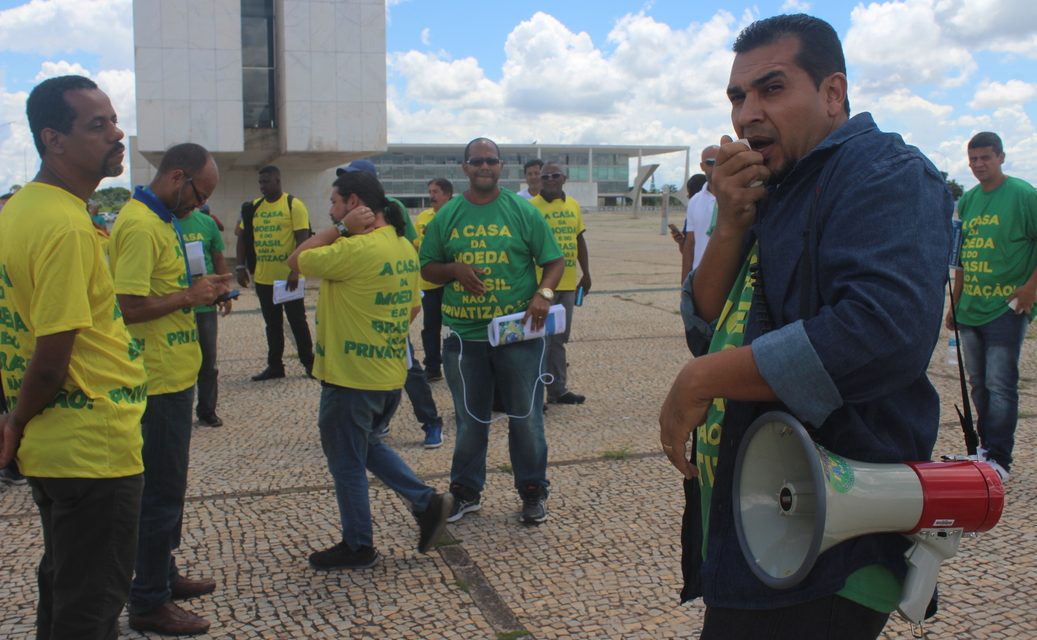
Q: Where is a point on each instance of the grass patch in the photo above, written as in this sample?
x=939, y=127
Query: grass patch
x=462, y=585
x=504, y=468
x=1026, y=414
x=621, y=453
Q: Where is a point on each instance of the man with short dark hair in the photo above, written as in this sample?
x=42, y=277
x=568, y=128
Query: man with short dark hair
x=812, y=317
x=699, y=217
x=440, y=190
x=72, y=377
x=994, y=291
x=485, y=247
x=279, y=223
x=157, y=295
x=563, y=215
x=532, y=170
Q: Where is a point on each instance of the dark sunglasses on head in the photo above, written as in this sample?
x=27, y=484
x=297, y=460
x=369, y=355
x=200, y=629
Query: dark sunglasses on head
x=478, y=162
x=552, y=176
x=710, y=162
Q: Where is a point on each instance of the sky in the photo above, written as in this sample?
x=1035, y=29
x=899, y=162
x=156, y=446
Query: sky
x=601, y=71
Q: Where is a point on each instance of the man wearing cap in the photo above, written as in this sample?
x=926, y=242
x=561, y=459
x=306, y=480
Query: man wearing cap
x=417, y=387
x=279, y=222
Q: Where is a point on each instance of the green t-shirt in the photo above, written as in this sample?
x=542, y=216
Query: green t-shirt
x=508, y=237
x=369, y=284
x=873, y=586
x=198, y=227
x=409, y=231
x=273, y=227
x=998, y=249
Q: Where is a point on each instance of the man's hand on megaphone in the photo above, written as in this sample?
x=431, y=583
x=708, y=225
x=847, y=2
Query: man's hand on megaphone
x=680, y=414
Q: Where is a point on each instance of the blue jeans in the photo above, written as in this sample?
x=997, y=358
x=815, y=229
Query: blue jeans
x=208, y=389
x=432, y=327
x=420, y=393
x=166, y=427
x=991, y=354
x=349, y=420
x=473, y=369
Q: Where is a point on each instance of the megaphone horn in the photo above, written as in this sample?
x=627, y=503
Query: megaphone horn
x=794, y=500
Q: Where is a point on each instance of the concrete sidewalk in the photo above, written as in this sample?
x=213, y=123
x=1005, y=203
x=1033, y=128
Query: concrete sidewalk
x=605, y=565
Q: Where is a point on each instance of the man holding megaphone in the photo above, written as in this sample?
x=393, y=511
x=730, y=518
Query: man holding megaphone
x=824, y=279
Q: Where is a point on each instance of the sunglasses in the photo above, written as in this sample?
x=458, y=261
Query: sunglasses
x=197, y=196
x=710, y=162
x=478, y=162
x=552, y=176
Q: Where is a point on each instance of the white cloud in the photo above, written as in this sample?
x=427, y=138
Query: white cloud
x=426, y=36
x=795, y=6
x=998, y=25
x=991, y=95
x=54, y=27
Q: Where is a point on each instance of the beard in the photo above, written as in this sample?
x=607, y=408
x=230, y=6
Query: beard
x=108, y=167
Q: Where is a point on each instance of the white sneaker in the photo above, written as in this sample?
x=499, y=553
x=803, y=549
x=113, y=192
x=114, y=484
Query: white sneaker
x=1000, y=470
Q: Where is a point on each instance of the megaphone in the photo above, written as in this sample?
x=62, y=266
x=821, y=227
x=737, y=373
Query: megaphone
x=794, y=500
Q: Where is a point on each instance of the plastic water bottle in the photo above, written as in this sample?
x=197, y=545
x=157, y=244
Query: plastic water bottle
x=952, y=351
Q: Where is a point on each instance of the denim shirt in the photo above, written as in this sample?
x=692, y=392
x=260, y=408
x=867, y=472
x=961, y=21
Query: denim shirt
x=855, y=369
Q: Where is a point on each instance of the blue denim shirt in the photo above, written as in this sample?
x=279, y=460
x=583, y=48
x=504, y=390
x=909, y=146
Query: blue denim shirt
x=856, y=368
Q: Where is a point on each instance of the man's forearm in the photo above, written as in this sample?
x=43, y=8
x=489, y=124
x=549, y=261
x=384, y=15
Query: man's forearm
x=687, y=254
x=552, y=273
x=136, y=309
x=438, y=272
x=44, y=376
x=716, y=274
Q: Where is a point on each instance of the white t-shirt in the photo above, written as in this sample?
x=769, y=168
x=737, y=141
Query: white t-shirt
x=700, y=214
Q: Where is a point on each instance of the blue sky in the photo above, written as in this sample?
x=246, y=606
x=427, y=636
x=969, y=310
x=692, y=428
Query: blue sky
x=603, y=71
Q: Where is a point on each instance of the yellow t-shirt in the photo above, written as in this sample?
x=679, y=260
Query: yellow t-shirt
x=566, y=221
x=53, y=278
x=420, y=223
x=273, y=228
x=369, y=284
x=147, y=260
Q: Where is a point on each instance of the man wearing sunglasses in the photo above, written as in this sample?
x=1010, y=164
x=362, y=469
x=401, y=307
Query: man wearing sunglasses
x=157, y=297
x=485, y=247
x=563, y=216
x=699, y=216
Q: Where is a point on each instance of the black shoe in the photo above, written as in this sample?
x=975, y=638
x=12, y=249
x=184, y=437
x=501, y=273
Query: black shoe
x=432, y=520
x=534, y=505
x=434, y=375
x=342, y=557
x=569, y=398
x=210, y=421
x=270, y=373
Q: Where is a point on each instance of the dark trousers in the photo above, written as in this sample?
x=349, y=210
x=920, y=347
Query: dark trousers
x=89, y=542
x=431, y=328
x=420, y=393
x=831, y=618
x=166, y=427
x=272, y=316
x=208, y=386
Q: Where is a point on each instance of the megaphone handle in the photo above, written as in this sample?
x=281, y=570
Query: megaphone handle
x=923, y=567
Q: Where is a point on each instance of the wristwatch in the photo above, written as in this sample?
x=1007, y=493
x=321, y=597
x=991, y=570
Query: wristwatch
x=547, y=294
x=342, y=230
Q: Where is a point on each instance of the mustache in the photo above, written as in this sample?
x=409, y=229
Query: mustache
x=117, y=148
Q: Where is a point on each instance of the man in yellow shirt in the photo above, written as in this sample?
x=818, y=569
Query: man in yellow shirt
x=157, y=296
x=440, y=190
x=279, y=223
x=563, y=216
x=368, y=291
x=73, y=379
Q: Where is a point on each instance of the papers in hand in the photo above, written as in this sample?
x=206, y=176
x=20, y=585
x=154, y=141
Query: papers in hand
x=508, y=329
x=282, y=294
x=196, y=257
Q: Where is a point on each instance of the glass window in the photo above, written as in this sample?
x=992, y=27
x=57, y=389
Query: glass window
x=257, y=61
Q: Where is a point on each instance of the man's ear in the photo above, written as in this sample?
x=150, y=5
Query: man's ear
x=53, y=140
x=834, y=88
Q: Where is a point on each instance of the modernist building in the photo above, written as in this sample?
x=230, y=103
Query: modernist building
x=301, y=84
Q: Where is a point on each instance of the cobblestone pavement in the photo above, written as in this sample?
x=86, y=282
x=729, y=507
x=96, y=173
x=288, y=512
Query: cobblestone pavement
x=606, y=563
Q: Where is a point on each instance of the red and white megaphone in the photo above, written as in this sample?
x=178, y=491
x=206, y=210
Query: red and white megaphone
x=794, y=499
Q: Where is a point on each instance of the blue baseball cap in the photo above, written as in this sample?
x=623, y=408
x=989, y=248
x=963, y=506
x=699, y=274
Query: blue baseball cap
x=358, y=165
